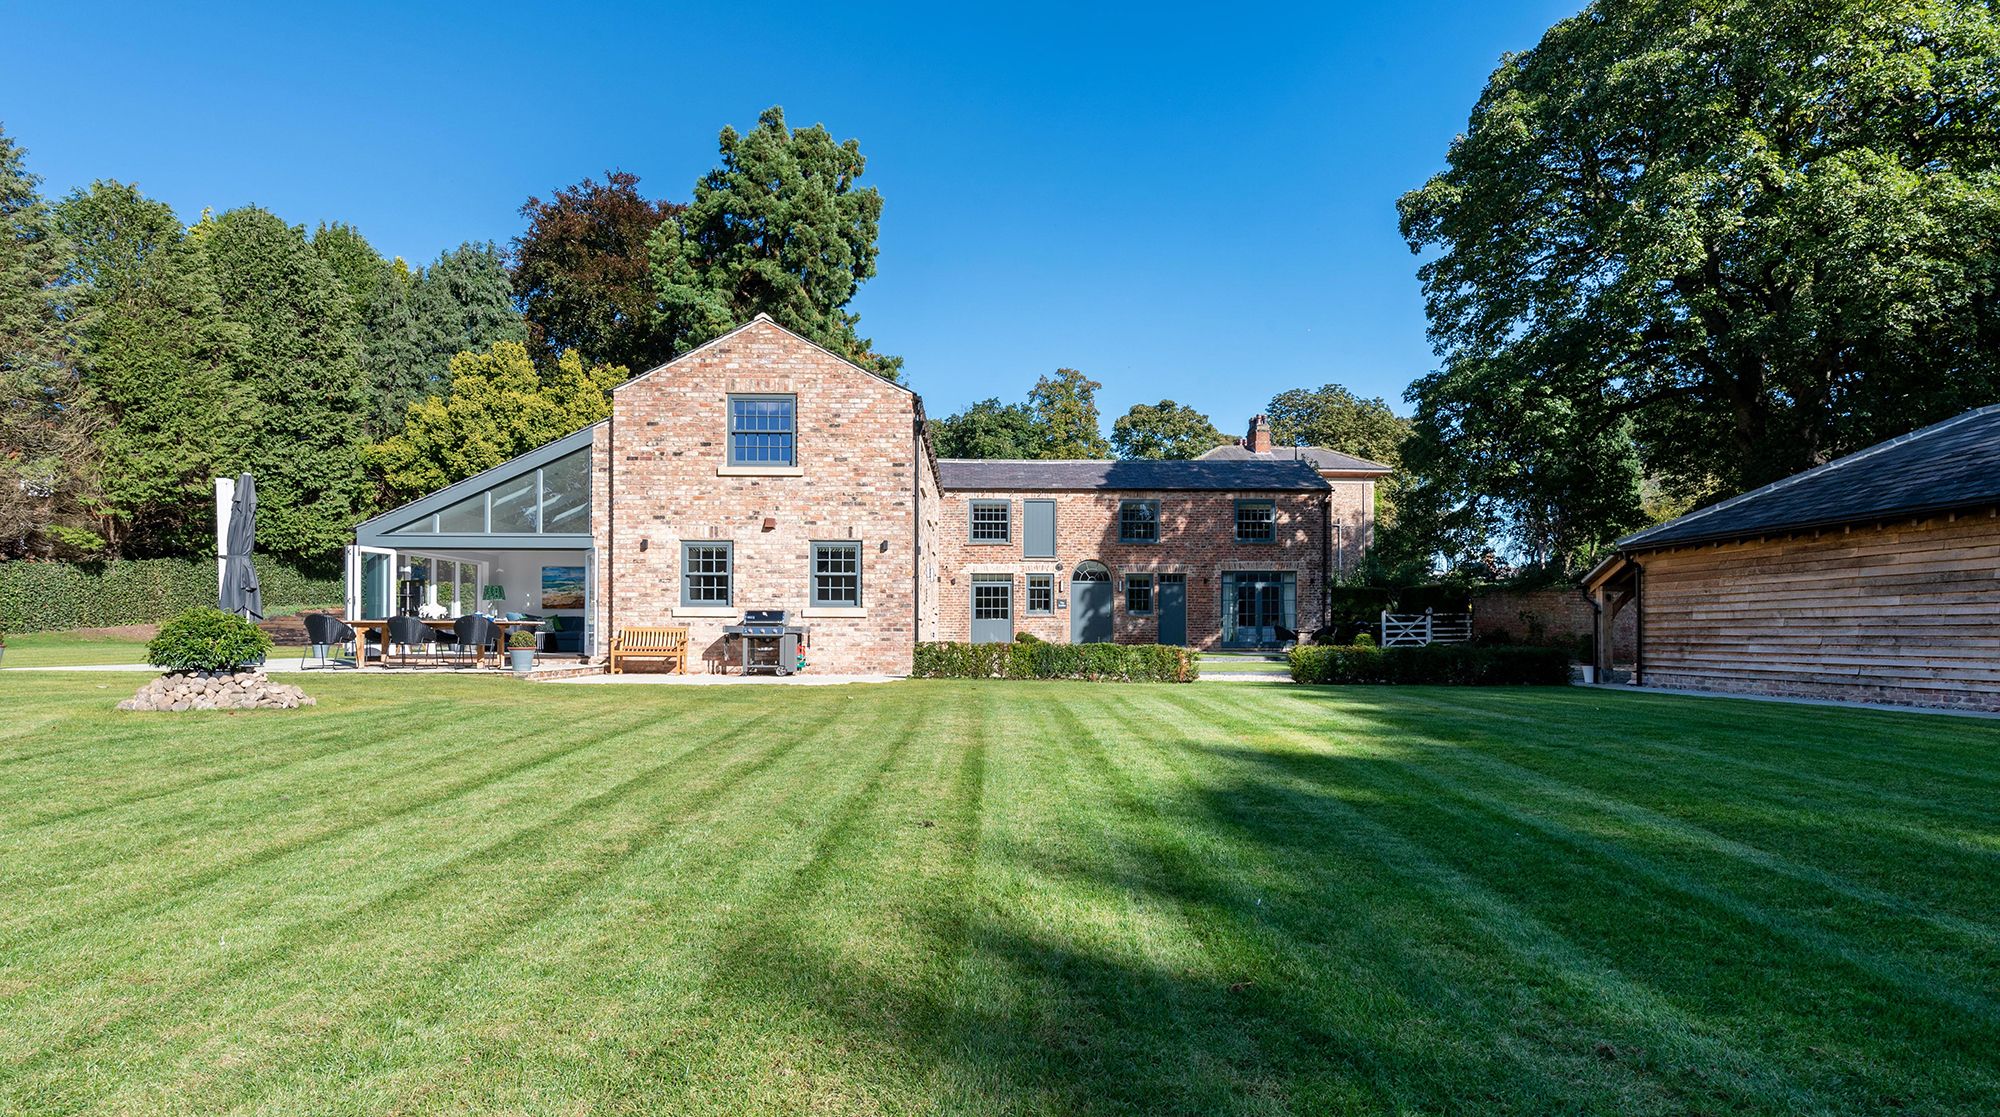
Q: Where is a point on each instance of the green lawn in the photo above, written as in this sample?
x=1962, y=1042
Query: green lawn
x=1225, y=663
x=479, y=895
x=69, y=649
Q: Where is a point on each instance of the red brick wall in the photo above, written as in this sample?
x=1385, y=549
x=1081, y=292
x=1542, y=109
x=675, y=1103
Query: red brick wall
x=662, y=462
x=1550, y=615
x=1197, y=538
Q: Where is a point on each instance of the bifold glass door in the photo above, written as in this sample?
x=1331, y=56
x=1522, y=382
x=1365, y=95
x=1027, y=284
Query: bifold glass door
x=1259, y=608
x=370, y=576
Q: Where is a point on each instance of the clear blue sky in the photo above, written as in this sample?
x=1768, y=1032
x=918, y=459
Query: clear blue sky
x=1191, y=203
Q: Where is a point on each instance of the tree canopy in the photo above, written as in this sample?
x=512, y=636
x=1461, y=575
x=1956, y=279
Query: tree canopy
x=1710, y=245
x=583, y=277
x=1065, y=409
x=1164, y=431
x=1335, y=418
x=781, y=228
x=988, y=429
x=498, y=407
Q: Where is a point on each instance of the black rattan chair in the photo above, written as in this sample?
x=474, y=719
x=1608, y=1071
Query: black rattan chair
x=326, y=631
x=471, y=634
x=410, y=634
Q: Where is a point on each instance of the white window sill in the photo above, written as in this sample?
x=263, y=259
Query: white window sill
x=759, y=471
x=704, y=611
x=831, y=613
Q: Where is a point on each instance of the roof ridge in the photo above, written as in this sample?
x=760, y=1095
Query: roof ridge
x=1816, y=471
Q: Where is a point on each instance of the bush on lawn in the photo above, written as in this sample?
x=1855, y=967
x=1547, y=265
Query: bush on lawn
x=1035, y=659
x=1432, y=664
x=50, y=596
x=207, y=640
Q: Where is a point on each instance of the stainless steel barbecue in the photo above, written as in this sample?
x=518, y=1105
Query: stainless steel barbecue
x=768, y=641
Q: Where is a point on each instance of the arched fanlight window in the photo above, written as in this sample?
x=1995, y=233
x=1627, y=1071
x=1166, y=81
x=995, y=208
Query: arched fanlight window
x=1090, y=571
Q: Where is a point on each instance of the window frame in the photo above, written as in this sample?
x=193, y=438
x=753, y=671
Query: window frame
x=972, y=523
x=728, y=548
x=813, y=574
x=1048, y=584
x=1124, y=538
x=1152, y=594
x=1236, y=524
x=729, y=431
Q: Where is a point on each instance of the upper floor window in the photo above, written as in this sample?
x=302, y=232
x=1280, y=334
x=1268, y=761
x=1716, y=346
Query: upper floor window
x=1256, y=521
x=706, y=573
x=992, y=521
x=763, y=430
x=1138, y=521
x=836, y=575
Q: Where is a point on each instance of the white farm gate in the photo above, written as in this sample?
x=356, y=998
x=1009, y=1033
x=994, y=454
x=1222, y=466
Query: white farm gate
x=1410, y=630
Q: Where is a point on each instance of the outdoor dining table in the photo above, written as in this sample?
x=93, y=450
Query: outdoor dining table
x=362, y=628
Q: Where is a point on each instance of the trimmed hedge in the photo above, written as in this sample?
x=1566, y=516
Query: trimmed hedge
x=1432, y=664
x=1131, y=663
x=48, y=596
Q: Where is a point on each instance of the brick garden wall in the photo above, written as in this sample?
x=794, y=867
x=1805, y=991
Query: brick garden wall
x=662, y=477
x=1558, y=614
x=1197, y=538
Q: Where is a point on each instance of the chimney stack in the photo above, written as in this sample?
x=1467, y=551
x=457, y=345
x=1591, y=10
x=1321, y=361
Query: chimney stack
x=1259, y=441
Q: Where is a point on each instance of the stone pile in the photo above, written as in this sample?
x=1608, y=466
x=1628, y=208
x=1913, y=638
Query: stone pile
x=216, y=690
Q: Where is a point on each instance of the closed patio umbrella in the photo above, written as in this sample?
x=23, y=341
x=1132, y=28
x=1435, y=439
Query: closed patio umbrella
x=240, y=592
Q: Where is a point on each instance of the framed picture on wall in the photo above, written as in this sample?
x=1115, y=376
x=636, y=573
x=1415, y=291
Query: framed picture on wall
x=562, y=587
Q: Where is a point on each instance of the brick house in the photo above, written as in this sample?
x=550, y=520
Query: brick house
x=762, y=471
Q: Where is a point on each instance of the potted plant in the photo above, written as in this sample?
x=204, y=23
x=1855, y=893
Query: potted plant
x=521, y=651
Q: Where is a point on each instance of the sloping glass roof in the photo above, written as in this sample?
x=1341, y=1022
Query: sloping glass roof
x=545, y=492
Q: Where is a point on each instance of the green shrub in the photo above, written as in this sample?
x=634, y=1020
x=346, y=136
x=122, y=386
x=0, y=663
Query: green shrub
x=1037, y=659
x=520, y=640
x=207, y=639
x=1364, y=640
x=1026, y=638
x=49, y=596
x=1432, y=664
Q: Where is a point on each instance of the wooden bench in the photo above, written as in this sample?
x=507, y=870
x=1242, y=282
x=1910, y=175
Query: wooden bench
x=670, y=644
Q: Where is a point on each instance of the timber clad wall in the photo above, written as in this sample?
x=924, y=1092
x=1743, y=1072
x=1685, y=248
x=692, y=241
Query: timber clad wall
x=1197, y=539
x=666, y=481
x=1908, y=612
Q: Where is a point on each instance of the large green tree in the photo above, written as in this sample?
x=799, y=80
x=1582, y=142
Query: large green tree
x=988, y=429
x=47, y=445
x=1164, y=431
x=1064, y=406
x=780, y=227
x=582, y=273
x=416, y=324
x=1335, y=418
x=499, y=406
x=352, y=259
x=302, y=379
x=162, y=365
x=1740, y=236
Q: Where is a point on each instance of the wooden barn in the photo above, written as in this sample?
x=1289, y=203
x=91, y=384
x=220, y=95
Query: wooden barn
x=1875, y=577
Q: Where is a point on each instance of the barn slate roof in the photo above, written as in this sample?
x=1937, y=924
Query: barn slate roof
x=1946, y=466
x=964, y=474
x=1319, y=457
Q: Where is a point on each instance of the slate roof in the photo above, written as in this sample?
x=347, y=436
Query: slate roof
x=1950, y=465
x=1320, y=457
x=1057, y=476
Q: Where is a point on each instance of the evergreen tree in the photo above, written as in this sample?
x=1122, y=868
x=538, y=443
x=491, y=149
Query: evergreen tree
x=1065, y=411
x=780, y=227
x=161, y=363
x=47, y=465
x=302, y=370
x=499, y=406
x=462, y=302
x=394, y=361
x=353, y=260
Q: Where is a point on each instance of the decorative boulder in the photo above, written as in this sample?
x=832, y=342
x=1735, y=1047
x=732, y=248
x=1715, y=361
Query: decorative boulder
x=216, y=690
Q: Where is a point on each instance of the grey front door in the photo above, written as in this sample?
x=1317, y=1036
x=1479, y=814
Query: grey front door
x=992, y=609
x=1090, y=604
x=1173, y=608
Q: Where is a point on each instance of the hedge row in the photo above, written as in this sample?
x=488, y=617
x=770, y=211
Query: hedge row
x=46, y=596
x=1442, y=664
x=1132, y=663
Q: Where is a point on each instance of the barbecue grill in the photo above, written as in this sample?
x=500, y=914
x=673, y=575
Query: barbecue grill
x=769, y=641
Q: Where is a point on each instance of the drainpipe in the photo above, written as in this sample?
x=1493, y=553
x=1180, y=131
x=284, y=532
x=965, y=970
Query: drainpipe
x=609, y=562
